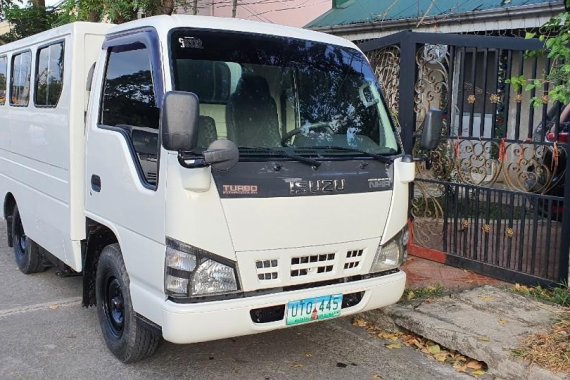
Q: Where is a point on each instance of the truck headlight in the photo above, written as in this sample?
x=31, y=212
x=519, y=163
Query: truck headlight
x=191, y=271
x=212, y=277
x=392, y=254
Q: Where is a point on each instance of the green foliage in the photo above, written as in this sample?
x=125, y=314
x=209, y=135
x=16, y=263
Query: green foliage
x=423, y=293
x=556, y=37
x=84, y=10
x=114, y=11
x=28, y=20
x=559, y=296
x=5, y=4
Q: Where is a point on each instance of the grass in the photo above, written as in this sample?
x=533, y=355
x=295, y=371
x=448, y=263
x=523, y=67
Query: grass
x=558, y=296
x=550, y=350
x=423, y=293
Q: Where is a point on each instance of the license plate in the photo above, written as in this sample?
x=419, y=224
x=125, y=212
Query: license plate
x=313, y=309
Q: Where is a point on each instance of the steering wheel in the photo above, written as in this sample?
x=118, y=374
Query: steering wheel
x=321, y=125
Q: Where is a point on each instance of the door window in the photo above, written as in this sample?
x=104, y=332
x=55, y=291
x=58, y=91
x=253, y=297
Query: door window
x=129, y=103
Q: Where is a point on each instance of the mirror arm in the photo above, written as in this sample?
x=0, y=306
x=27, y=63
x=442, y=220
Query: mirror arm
x=195, y=161
x=421, y=159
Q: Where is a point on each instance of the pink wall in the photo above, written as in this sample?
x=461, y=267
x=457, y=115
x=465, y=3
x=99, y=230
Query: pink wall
x=285, y=12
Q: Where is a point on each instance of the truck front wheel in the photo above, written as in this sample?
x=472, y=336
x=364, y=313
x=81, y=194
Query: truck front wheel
x=128, y=338
x=26, y=251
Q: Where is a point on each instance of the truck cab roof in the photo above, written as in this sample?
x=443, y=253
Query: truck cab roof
x=165, y=23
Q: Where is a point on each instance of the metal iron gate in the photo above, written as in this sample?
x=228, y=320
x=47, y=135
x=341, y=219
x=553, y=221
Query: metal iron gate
x=491, y=197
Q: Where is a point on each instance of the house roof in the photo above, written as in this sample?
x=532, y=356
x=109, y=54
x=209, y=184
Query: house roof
x=368, y=11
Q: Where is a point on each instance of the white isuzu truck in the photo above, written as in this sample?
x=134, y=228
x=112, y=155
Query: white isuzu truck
x=207, y=177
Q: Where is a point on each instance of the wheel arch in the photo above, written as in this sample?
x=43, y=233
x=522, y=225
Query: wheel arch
x=98, y=237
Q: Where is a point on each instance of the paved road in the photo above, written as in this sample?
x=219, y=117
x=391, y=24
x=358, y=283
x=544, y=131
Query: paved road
x=45, y=333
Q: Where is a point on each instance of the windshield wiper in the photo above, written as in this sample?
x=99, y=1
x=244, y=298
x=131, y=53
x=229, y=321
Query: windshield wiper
x=379, y=157
x=280, y=153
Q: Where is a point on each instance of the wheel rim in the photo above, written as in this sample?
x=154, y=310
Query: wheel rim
x=114, y=307
x=21, y=241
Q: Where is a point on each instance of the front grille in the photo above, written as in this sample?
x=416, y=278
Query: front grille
x=267, y=269
x=271, y=269
x=312, y=264
x=353, y=259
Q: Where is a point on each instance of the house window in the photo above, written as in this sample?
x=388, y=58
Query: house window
x=49, y=75
x=3, y=72
x=20, y=79
x=129, y=103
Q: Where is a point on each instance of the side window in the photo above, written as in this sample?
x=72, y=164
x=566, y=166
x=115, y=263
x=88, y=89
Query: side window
x=3, y=72
x=20, y=79
x=49, y=75
x=128, y=102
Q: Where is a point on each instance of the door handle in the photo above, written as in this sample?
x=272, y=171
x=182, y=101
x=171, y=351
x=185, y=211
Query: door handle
x=96, y=183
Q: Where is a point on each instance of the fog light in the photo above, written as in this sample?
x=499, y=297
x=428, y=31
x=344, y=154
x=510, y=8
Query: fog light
x=212, y=277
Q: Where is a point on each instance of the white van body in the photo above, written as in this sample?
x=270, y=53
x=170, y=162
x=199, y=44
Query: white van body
x=79, y=185
x=42, y=149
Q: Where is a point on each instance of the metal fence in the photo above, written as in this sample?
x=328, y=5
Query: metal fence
x=491, y=197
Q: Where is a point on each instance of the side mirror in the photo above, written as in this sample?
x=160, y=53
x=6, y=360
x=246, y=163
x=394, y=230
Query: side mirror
x=431, y=132
x=222, y=155
x=179, y=121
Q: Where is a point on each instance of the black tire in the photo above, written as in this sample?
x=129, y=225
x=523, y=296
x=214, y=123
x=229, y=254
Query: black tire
x=26, y=251
x=126, y=336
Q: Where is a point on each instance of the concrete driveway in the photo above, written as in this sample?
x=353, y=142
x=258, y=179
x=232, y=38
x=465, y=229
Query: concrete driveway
x=45, y=333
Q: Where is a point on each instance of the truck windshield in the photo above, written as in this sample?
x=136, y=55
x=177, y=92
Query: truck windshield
x=281, y=93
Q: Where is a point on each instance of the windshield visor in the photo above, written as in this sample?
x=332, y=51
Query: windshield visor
x=282, y=93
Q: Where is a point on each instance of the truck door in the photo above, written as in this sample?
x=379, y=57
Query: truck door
x=124, y=190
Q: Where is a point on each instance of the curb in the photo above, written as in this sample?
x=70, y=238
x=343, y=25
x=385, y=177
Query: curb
x=438, y=321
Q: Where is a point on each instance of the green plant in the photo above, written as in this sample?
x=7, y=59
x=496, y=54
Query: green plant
x=28, y=20
x=556, y=37
x=559, y=295
x=422, y=293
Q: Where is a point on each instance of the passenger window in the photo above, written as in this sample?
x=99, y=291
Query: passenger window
x=129, y=103
x=20, y=79
x=3, y=72
x=49, y=75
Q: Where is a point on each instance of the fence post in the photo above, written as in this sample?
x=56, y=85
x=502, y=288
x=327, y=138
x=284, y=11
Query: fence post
x=408, y=73
x=565, y=237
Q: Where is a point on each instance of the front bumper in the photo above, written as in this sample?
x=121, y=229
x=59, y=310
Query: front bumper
x=200, y=322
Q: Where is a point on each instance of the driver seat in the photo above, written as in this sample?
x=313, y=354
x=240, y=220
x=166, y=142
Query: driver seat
x=251, y=114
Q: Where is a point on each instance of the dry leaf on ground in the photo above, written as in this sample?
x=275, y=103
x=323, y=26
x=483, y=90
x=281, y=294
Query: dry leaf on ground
x=435, y=349
x=478, y=373
x=474, y=364
x=360, y=322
